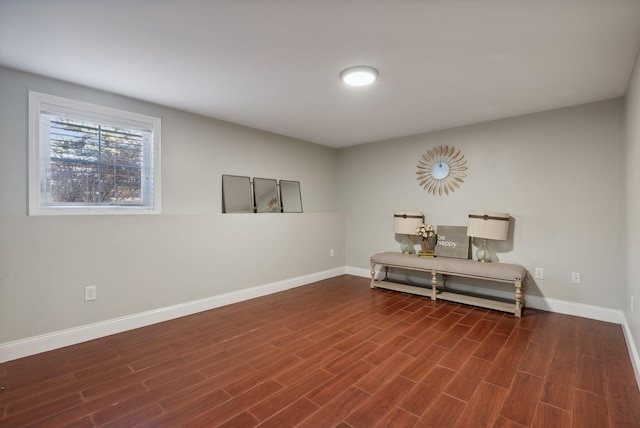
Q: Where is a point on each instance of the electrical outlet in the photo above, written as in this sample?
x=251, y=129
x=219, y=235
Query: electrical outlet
x=575, y=277
x=331, y=253
x=90, y=293
x=539, y=274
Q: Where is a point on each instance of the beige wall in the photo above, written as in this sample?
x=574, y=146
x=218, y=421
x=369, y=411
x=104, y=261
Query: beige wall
x=632, y=162
x=141, y=263
x=558, y=173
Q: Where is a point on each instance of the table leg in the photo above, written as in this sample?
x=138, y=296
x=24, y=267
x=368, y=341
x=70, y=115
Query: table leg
x=519, y=299
x=373, y=275
x=434, y=284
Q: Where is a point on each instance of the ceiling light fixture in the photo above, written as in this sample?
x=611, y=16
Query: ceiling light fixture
x=361, y=75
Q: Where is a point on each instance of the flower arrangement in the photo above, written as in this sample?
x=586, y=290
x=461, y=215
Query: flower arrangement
x=425, y=231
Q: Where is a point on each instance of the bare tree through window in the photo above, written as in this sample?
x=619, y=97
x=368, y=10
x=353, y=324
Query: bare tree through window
x=94, y=163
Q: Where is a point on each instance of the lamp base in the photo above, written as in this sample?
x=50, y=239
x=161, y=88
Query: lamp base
x=407, y=246
x=483, y=253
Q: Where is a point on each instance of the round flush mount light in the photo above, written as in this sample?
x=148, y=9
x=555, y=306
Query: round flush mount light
x=361, y=75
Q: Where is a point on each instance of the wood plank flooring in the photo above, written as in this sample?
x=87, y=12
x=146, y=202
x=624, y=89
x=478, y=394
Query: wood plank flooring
x=334, y=354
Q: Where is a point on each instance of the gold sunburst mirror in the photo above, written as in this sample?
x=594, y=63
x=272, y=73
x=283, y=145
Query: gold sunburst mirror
x=441, y=170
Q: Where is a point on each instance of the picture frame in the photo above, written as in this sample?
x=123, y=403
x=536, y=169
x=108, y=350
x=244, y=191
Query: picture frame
x=453, y=242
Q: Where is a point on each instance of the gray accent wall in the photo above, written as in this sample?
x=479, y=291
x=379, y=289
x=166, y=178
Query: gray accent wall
x=145, y=262
x=559, y=174
x=632, y=205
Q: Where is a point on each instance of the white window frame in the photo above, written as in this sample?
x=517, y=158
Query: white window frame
x=38, y=103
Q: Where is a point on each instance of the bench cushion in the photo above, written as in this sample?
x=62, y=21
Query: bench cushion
x=498, y=271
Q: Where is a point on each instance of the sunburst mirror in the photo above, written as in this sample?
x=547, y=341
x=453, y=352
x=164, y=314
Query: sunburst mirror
x=441, y=170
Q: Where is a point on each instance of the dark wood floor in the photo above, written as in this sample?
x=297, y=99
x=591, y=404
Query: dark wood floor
x=334, y=353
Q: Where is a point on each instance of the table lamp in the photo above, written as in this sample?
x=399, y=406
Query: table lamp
x=405, y=223
x=486, y=225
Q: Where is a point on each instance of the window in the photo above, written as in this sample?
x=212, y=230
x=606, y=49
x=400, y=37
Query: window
x=89, y=159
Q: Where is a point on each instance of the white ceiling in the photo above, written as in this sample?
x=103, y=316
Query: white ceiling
x=274, y=64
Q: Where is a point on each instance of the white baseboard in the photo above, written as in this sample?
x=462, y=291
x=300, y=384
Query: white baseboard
x=633, y=350
x=46, y=342
x=578, y=309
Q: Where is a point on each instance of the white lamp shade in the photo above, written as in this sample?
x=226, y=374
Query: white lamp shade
x=488, y=225
x=406, y=222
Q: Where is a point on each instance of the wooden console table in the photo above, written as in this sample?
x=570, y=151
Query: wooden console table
x=498, y=272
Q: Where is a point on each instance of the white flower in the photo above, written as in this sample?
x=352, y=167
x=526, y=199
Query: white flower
x=425, y=230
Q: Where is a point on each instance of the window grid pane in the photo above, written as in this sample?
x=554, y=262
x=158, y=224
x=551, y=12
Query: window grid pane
x=95, y=164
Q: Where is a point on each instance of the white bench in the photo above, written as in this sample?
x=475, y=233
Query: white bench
x=497, y=272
